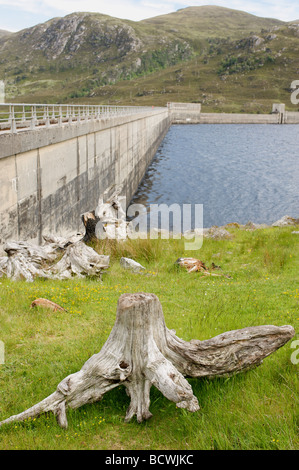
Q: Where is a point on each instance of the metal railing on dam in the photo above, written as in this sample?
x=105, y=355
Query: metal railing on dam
x=15, y=117
x=57, y=161
x=18, y=117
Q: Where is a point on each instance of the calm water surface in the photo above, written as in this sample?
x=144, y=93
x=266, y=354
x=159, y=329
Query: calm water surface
x=239, y=173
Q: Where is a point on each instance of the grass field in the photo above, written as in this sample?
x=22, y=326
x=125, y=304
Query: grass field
x=252, y=410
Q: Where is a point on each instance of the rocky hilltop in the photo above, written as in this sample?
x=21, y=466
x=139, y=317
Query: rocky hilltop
x=67, y=36
x=188, y=55
x=114, y=48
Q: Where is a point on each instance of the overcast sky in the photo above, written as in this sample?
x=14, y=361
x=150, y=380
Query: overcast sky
x=20, y=14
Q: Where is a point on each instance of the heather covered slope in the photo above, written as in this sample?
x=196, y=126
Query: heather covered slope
x=226, y=59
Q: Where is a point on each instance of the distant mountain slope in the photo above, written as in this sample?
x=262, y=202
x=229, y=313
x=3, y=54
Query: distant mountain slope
x=212, y=21
x=82, y=44
x=4, y=33
x=226, y=59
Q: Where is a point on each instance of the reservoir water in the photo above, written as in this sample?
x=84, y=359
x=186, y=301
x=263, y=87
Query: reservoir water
x=239, y=173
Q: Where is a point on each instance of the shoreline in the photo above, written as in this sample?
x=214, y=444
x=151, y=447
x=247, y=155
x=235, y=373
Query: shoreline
x=214, y=232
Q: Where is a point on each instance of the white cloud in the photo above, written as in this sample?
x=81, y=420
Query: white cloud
x=130, y=9
x=140, y=9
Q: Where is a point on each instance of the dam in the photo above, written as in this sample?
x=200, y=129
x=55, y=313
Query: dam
x=57, y=160
x=51, y=174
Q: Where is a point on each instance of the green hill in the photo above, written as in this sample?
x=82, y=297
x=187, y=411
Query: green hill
x=4, y=33
x=226, y=59
x=210, y=21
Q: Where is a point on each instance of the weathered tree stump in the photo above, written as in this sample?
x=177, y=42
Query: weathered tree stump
x=90, y=222
x=141, y=351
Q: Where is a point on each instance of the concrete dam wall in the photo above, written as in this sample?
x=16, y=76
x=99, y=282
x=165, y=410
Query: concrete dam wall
x=53, y=171
x=50, y=176
x=190, y=113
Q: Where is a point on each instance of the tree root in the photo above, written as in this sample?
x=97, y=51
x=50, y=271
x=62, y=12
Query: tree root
x=141, y=351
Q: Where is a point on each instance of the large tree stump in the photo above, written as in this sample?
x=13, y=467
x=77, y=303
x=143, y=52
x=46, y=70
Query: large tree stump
x=141, y=351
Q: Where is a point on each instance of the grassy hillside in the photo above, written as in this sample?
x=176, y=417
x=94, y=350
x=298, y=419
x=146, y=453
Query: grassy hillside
x=4, y=33
x=211, y=21
x=246, y=75
x=226, y=59
x=252, y=410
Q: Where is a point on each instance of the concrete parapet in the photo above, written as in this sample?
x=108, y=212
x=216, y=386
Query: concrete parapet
x=291, y=117
x=238, y=118
x=190, y=113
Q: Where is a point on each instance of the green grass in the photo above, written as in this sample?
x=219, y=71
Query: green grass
x=252, y=410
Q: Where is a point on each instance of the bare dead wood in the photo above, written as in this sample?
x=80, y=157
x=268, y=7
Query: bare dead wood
x=80, y=260
x=193, y=265
x=141, y=351
x=45, y=303
x=90, y=222
x=28, y=261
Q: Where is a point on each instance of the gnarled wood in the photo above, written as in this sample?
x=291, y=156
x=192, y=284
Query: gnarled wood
x=28, y=261
x=141, y=351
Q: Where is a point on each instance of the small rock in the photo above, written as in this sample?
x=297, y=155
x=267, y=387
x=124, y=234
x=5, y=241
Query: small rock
x=286, y=220
x=217, y=233
x=253, y=226
x=128, y=263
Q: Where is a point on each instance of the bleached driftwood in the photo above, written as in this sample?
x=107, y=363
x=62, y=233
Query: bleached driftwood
x=3, y=265
x=195, y=265
x=25, y=260
x=80, y=260
x=141, y=351
x=192, y=264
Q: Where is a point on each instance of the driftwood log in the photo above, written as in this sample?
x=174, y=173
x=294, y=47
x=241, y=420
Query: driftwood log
x=45, y=303
x=141, y=351
x=57, y=258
